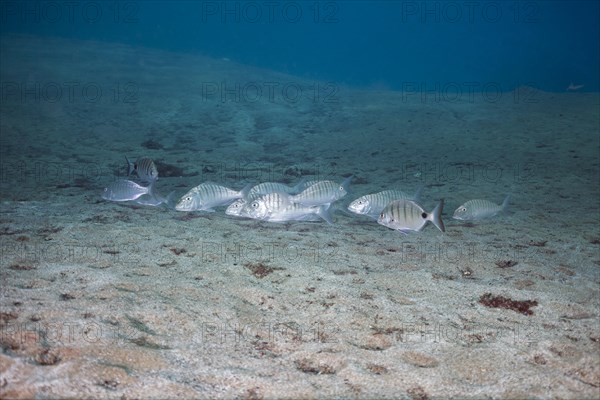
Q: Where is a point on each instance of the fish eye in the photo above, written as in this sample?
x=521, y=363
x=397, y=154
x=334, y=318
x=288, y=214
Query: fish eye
x=255, y=205
x=188, y=199
x=341, y=188
x=382, y=215
x=462, y=209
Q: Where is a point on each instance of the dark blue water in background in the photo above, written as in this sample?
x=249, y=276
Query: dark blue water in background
x=385, y=44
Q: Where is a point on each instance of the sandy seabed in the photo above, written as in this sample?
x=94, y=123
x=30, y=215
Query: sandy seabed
x=107, y=300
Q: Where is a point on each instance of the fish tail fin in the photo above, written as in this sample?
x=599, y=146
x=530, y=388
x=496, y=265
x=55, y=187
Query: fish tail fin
x=151, y=190
x=244, y=192
x=417, y=196
x=436, y=216
x=324, y=213
x=505, y=203
x=170, y=200
x=130, y=166
x=298, y=187
x=346, y=183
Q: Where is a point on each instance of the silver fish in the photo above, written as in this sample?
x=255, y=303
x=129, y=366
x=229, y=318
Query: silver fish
x=373, y=204
x=255, y=209
x=305, y=183
x=144, y=167
x=265, y=205
x=277, y=207
x=322, y=192
x=406, y=215
x=124, y=190
x=271, y=187
x=479, y=209
x=235, y=208
x=299, y=212
x=208, y=195
x=156, y=199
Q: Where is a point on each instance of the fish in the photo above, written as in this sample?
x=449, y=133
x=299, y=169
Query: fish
x=208, y=195
x=305, y=183
x=299, y=212
x=125, y=190
x=144, y=167
x=156, y=199
x=407, y=215
x=265, y=205
x=277, y=207
x=235, y=208
x=372, y=204
x=322, y=192
x=270, y=187
x=478, y=209
x=573, y=87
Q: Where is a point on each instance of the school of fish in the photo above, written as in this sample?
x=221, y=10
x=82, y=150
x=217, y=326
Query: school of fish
x=306, y=201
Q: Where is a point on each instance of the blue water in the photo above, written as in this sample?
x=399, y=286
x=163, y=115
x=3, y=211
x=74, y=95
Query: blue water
x=386, y=44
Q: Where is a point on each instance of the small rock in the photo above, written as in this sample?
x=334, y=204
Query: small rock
x=419, y=359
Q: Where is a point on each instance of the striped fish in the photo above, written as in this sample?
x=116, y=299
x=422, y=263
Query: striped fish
x=264, y=206
x=322, y=192
x=305, y=183
x=406, y=216
x=124, y=190
x=144, y=167
x=299, y=212
x=271, y=187
x=235, y=208
x=277, y=207
x=208, y=195
x=477, y=209
x=254, y=205
x=372, y=204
